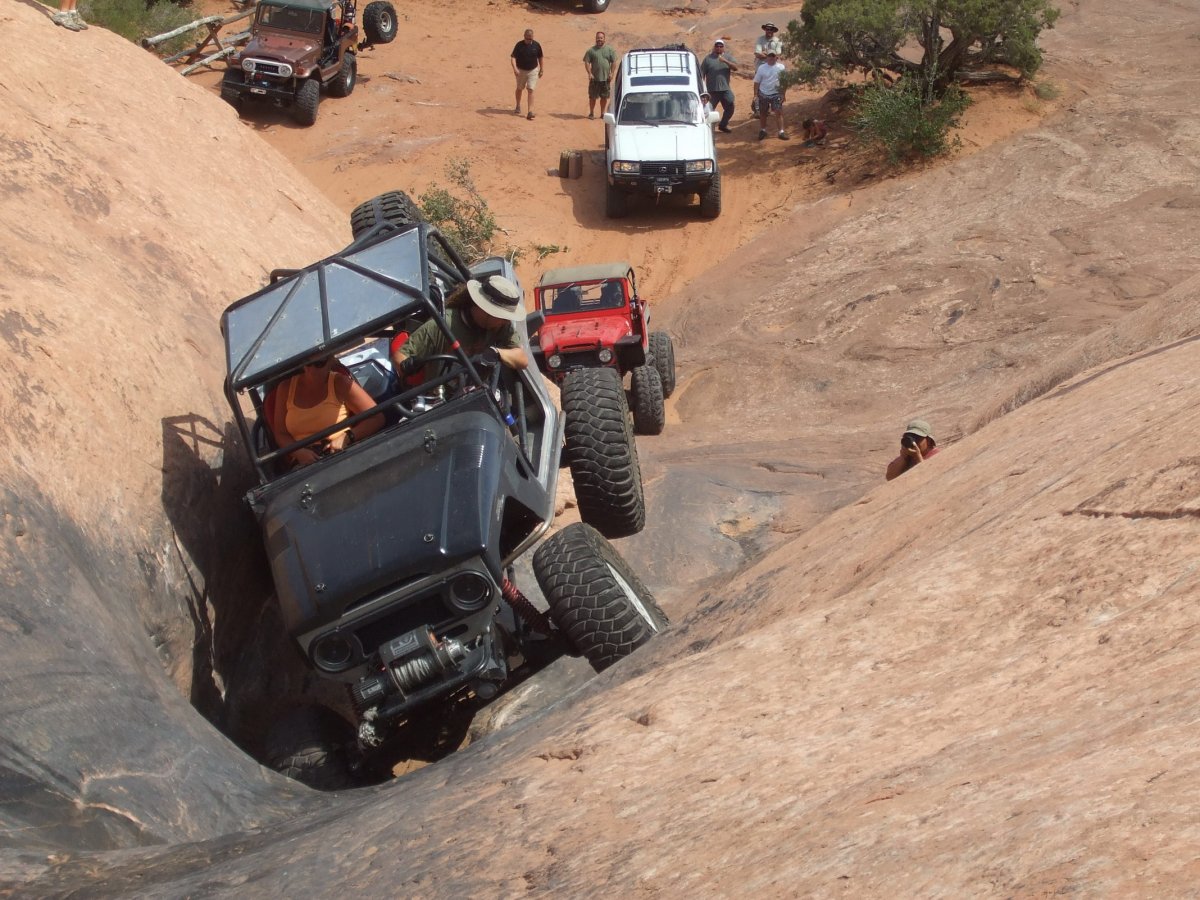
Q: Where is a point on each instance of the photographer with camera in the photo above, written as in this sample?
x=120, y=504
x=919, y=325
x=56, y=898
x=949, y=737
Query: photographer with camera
x=916, y=446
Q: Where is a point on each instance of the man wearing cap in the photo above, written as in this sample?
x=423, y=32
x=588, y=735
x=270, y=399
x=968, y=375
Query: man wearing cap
x=528, y=66
x=768, y=90
x=716, y=68
x=916, y=446
x=479, y=314
x=766, y=43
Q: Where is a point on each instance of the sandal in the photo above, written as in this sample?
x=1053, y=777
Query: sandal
x=530, y=116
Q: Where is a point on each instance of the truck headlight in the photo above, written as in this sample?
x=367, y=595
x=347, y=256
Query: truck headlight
x=624, y=167
x=605, y=356
x=554, y=360
x=700, y=165
x=247, y=65
x=470, y=591
x=336, y=652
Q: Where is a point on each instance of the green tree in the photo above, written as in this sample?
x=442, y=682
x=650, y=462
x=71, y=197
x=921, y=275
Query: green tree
x=928, y=41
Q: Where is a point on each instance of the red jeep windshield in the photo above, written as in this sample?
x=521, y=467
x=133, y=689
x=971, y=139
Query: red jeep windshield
x=583, y=297
x=290, y=18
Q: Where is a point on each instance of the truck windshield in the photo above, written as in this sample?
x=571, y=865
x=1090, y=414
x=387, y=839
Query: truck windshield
x=660, y=107
x=291, y=18
x=583, y=297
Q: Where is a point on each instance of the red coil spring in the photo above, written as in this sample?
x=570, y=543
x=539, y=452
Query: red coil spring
x=533, y=617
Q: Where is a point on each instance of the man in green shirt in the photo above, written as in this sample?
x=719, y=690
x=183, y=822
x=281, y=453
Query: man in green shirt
x=599, y=61
x=479, y=314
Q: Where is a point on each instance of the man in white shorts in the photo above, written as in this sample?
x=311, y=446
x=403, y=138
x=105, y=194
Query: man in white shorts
x=528, y=66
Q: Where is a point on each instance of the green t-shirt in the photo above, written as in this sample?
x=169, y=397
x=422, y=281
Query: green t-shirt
x=428, y=340
x=602, y=60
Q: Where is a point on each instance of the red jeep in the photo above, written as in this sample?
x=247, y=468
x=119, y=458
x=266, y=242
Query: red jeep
x=594, y=318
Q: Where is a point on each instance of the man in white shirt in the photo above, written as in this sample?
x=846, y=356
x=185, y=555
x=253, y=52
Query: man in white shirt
x=769, y=91
x=770, y=40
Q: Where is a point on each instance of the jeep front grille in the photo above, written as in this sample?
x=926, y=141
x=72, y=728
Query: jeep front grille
x=265, y=68
x=663, y=168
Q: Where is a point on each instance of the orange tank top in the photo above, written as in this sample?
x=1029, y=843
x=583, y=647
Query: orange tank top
x=304, y=421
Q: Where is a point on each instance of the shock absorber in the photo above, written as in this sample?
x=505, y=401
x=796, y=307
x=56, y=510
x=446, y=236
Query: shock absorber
x=533, y=617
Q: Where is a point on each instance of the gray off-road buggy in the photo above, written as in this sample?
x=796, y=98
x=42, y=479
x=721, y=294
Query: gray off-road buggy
x=393, y=558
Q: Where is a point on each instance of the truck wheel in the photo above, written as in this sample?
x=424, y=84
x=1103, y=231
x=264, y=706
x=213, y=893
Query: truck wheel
x=231, y=87
x=347, y=77
x=308, y=744
x=616, y=203
x=601, y=453
x=595, y=6
x=662, y=354
x=379, y=22
x=395, y=208
x=649, y=416
x=304, y=107
x=710, y=199
x=596, y=601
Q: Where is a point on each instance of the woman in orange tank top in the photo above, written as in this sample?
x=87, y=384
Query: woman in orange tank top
x=320, y=396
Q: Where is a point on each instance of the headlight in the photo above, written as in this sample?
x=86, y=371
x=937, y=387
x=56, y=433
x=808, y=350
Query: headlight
x=470, y=591
x=554, y=360
x=605, y=355
x=336, y=652
x=700, y=165
x=247, y=65
x=622, y=167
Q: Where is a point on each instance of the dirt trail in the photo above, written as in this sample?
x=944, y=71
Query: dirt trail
x=411, y=112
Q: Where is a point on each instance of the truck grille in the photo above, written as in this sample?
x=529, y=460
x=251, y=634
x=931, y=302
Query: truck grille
x=266, y=68
x=663, y=168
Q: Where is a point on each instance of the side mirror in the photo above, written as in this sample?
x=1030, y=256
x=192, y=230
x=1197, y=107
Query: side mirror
x=712, y=118
x=534, y=322
x=609, y=119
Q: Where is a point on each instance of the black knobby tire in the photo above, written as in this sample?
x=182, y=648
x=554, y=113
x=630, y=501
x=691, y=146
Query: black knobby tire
x=596, y=601
x=710, y=199
x=379, y=22
x=308, y=744
x=662, y=354
x=308, y=98
x=600, y=451
x=232, y=83
x=395, y=208
x=347, y=77
x=649, y=414
x=616, y=203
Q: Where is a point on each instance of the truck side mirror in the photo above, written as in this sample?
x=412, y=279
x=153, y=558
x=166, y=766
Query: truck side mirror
x=534, y=322
x=609, y=119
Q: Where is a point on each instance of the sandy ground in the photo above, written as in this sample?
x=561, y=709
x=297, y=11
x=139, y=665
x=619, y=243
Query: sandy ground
x=411, y=112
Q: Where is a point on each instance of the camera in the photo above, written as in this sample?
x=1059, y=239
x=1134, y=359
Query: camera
x=909, y=441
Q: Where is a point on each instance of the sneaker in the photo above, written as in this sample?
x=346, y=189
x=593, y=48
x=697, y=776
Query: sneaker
x=78, y=19
x=762, y=134
x=530, y=116
x=516, y=110
x=724, y=129
x=783, y=136
x=67, y=21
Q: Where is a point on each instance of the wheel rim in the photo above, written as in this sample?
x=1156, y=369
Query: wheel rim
x=385, y=23
x=631, y=594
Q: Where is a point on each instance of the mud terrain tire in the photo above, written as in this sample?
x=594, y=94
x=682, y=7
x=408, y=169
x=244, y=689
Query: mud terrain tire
x=347, y=77
x=308, y=745
x=379, y=22
x=616, y=203
x=394, y=207
x=710, y=199
x=662, y=355
x=601, y=452
x=231, y=87
x=649, y=414
x=308, y=98
x=597, y=602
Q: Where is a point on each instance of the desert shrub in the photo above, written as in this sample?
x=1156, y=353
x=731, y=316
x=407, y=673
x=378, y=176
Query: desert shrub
x=904, y=124
x=463, y=216
x=137, y=19
x=1047, y=90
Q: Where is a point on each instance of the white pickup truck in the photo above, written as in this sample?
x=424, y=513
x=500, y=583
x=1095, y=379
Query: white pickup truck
x=658, y=139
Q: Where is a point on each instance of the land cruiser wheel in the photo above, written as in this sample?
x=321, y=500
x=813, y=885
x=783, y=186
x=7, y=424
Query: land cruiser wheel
x=379, y=22
x=597, y=602
x=343, y=85
x=662, y=354
x=595, y=6
x=649, y=416
x=304, y=108
x=394, y=207
x=710, y=199
x=601, y=452
x=231, y=87
x=308, y=744
x=616, y=203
